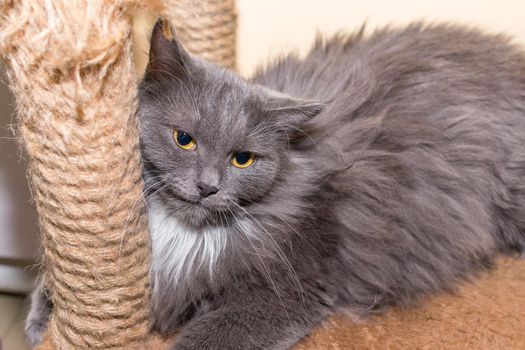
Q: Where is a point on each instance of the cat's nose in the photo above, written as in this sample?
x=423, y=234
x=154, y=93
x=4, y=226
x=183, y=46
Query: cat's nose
x=206, y=190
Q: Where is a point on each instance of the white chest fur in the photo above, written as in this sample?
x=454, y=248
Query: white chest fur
x=178, y=249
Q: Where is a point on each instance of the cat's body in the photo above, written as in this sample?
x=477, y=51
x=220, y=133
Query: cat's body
x=405, y=178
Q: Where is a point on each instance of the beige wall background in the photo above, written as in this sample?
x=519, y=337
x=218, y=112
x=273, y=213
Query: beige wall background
x=269, y=27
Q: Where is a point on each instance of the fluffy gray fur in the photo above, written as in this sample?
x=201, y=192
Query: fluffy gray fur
x=388, y=167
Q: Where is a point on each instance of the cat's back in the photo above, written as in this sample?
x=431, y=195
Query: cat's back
x=389, y=65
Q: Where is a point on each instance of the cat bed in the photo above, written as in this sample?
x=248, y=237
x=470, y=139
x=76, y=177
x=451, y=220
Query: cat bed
x=70, y=67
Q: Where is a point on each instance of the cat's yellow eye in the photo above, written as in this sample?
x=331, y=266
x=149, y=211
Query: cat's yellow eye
x=243, y=160
x=183, y=140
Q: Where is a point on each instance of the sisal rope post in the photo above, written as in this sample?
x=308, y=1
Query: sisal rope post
x=205, y=27
x=69, y=65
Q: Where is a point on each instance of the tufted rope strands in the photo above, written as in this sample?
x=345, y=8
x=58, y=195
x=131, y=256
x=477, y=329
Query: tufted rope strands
x=205, y=27
x=69, y=65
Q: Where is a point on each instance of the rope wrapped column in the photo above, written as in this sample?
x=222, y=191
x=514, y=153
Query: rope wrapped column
x=206, y=28
x=69, y=65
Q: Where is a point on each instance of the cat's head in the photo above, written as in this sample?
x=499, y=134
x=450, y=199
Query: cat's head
x=212, y=143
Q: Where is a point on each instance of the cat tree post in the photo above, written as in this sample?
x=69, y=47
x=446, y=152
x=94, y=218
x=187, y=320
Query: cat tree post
x=69, y=65
x=205, y=27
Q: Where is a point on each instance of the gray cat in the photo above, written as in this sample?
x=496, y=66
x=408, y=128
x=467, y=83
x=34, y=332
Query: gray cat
x=372, y=172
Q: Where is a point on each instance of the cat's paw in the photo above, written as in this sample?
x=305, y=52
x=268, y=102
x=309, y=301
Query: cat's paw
x=220, y=338
x=38, y=317
x=207, y=344
x=520, y=250
x=34, y=330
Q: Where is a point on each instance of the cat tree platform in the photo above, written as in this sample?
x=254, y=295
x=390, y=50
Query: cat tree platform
x=487, y=313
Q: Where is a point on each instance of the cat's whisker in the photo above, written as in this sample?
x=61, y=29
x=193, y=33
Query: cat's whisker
x=139, y=197
x=149, y=196
x=145, y=87
x=149, y=179
x=143, y=193
x=280, y=252
x=146, y=199
x=307, y=135
x=226, y=223
x=223, y=219
x=287, y=224
x=274, y=286
x=288, y=142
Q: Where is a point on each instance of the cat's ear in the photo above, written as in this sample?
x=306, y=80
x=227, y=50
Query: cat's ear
x=167, y=57
x=290, y=114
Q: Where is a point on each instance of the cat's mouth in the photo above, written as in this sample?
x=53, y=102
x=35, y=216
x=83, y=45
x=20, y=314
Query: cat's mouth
x=205, y=204
x=197, y=213
x=171, y=192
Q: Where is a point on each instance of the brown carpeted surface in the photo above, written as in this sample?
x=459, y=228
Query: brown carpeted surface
x=488, y=313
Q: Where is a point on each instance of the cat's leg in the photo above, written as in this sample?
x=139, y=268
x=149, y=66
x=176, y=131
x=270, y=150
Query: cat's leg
x=38, y=316
x=250, y=322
